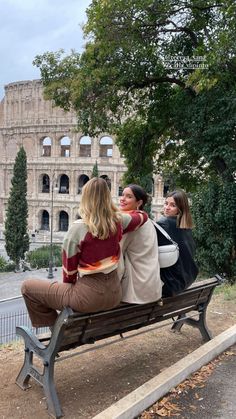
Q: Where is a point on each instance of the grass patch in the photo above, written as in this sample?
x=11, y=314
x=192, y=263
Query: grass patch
x=227, y=290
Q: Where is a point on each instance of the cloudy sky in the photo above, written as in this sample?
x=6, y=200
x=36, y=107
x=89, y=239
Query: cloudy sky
x=30, y=27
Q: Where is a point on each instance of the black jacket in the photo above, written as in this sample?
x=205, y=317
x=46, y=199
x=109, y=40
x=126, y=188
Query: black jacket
x=181, y=275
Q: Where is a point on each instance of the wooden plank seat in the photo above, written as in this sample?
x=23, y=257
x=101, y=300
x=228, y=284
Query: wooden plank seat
x=73, y=330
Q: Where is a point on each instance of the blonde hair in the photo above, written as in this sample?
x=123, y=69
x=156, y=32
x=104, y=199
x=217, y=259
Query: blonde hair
x=97, y=209
x=184, y=218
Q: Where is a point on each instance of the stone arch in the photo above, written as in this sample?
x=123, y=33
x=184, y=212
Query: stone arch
x=85, y=146
x=81, y=182
x=44, y=183
x=28, y=145
x=64, y=185
x=63, y=221
x=120, y=190
x=107, y=179
x=106, y=147
x=65, y=143
x=11, y=147
x=44, y=220
x=46, y=147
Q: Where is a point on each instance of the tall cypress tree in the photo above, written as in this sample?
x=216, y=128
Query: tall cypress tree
x=95, y=170
x=16, y=236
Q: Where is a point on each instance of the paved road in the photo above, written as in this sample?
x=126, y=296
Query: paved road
x=10, y=283
x=12, y=308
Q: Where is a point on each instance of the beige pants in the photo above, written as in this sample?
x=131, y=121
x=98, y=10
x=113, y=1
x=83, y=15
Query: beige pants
x=91, y=293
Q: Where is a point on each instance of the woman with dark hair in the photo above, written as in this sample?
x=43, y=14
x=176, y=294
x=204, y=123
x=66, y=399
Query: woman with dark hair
x=177, y=222
x=140, y=271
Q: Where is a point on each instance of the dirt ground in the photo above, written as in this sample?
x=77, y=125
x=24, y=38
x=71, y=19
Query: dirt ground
x=90, y=382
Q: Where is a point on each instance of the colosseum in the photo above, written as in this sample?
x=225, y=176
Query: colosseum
x=60, y=159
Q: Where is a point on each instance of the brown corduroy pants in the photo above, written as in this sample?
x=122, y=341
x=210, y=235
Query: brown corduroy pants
x=91, y=293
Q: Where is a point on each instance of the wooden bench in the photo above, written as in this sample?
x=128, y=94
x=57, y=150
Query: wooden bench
x=75, y=329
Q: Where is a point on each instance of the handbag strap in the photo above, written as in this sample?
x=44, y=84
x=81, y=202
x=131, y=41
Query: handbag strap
x=164, y=232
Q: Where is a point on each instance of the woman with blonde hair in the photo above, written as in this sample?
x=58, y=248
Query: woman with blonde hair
x=90, y=256
x=177, y=222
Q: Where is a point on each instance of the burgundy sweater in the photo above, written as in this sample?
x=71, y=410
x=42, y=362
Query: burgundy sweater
x=85, y=254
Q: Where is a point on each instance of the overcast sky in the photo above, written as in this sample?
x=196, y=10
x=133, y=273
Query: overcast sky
x=29, y=28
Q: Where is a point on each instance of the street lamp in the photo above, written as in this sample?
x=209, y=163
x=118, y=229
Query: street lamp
x=50, y=266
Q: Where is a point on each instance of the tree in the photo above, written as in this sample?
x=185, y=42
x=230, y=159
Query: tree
x=16, y=236
x=215, y=234
x=129, y=70
x=95, y=170
x=161, y=76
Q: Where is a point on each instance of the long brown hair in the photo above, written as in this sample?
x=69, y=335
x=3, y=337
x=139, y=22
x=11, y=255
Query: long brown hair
x=184, y=218
x=97, y=209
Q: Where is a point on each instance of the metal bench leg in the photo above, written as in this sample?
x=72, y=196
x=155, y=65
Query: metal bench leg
x=23, y=377
x=52, y=400
x=176, y=327
x=206, y=333
x=47, y=356
x=201, y=325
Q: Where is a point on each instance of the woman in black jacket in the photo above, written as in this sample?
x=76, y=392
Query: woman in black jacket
x=177, y=222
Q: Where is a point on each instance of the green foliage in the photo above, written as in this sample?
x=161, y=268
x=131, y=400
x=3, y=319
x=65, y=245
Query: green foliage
x=6, y=266
x=227, y=290
x=136, y=133
x=176, y=121
x=95, y=172
x=125, y=82
x=16, y=236
x=39, y=258
x=214, y=212
x=3, y=263
x=62, y=72
x=209, y=121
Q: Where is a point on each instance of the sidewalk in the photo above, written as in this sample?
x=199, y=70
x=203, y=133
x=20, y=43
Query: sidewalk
x=10, y=282
x=211, y=398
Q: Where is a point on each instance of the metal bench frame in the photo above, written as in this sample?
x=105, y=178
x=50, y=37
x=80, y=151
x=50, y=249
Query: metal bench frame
x=73, y=330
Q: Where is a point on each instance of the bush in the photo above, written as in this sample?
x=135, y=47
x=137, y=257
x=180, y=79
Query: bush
x=3, y=263
x=214, y=213
x=6, y=266
x=39, y=258
x=10, y=267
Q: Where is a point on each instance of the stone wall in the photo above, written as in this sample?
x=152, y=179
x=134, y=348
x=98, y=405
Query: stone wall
x=59, y=158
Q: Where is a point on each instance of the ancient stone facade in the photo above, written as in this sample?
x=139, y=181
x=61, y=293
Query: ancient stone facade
x=59, y=158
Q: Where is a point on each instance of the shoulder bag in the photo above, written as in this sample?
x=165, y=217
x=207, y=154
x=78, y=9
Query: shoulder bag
x=168, y=254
